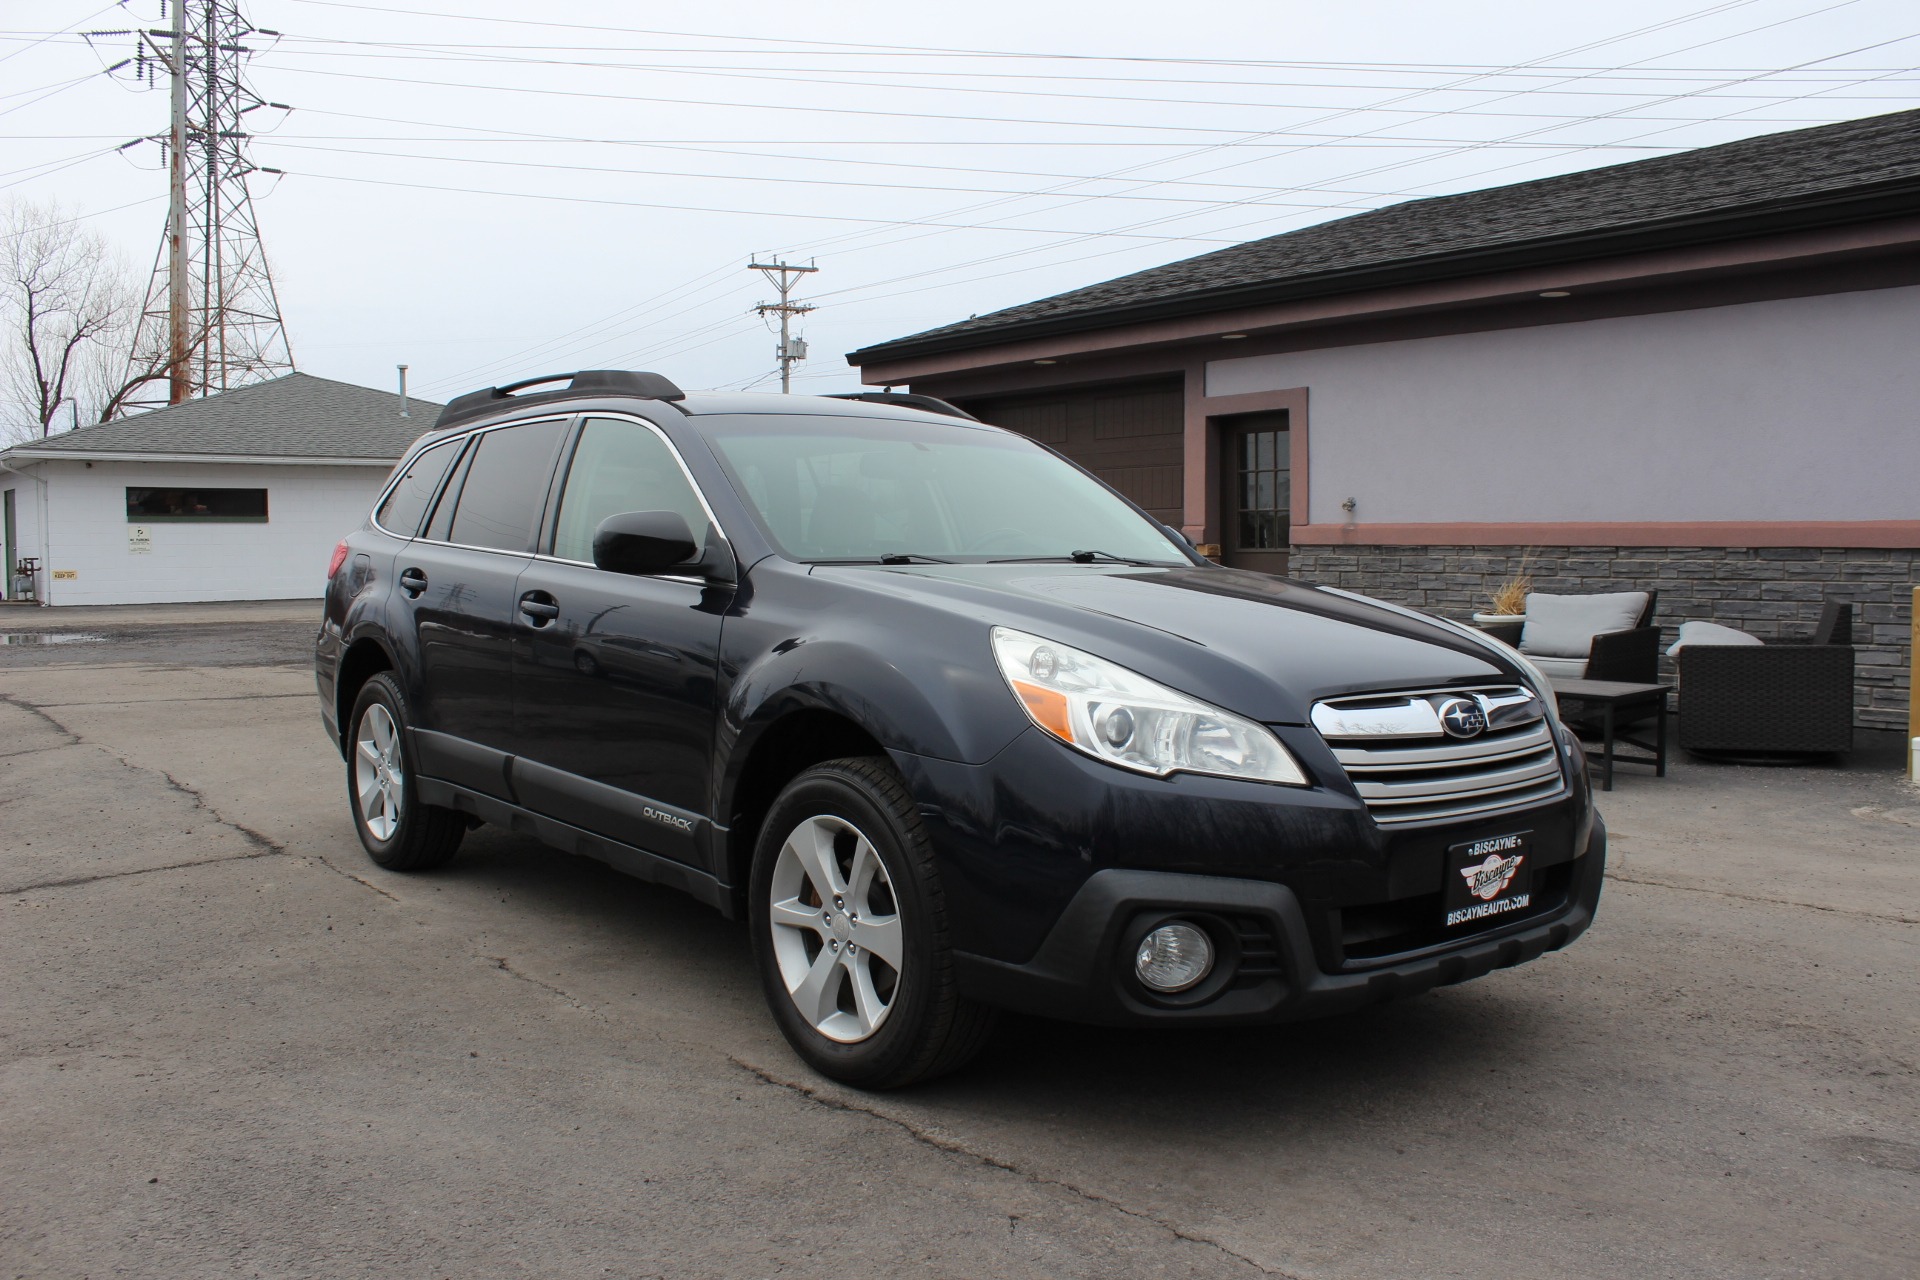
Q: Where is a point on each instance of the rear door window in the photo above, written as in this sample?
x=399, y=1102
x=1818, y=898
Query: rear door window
x=402, y=510
x=506, y=486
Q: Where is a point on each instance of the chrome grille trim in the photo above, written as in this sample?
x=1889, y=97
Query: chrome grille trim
x=1408, y=771
x=1483, y=750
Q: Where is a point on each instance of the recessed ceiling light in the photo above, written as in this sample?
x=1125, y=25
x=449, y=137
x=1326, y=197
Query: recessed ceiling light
x=1229, y=337
x=1556, y=293
x=1046, y=362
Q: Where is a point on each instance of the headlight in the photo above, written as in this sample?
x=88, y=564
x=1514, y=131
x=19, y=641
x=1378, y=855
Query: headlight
x=1123, y=718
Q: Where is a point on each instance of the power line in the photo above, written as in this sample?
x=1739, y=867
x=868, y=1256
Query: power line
x=791, y=106
x=687, y=208
x=925, y=50
x=1461, y=82
x=1338, y=178
x=808, y=76
x=761, y=177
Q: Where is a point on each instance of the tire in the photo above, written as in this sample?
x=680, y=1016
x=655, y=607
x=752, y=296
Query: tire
x=399, y=832
x=905, y=1021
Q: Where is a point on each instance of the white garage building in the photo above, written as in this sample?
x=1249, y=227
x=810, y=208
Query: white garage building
x=239, y=496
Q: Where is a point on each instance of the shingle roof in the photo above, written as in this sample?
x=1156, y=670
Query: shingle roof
x=297, y=416
x=1805, y=177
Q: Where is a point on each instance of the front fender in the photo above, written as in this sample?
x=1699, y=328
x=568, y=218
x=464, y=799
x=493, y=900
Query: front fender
x=919, y=704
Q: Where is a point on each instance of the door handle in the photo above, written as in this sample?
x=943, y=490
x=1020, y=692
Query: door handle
x=539, y=608
x=413, y=582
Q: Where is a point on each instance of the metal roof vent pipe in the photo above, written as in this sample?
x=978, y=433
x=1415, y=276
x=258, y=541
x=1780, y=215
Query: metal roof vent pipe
x=403, y=389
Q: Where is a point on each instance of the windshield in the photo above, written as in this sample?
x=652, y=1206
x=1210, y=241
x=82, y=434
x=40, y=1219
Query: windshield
x=832, y=488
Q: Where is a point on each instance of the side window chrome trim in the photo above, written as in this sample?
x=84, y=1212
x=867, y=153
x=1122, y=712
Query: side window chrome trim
x=690, y=578
x=468, y=438
x=685, y=474
x=400, y=473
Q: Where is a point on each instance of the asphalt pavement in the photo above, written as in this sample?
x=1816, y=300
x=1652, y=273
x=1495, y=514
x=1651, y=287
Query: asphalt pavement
x=231, y=1046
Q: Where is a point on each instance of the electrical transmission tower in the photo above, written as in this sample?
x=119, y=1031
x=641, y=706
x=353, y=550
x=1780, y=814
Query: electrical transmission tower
x=211, y=320
x=785, y=278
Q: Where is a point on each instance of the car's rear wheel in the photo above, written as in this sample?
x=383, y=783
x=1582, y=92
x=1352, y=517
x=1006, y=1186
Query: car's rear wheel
x=399, y=832
x=849, y=926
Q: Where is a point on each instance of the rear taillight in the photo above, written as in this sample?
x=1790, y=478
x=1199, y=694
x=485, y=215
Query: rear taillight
x=339, y=558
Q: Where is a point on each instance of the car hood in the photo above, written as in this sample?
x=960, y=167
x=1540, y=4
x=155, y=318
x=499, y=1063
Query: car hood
x=1263, y=646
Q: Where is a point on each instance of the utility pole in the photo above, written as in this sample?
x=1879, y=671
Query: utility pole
x=785, y=278
x=211, y=320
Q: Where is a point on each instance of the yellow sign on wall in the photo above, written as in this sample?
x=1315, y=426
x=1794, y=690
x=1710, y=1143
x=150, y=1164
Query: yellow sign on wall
x=65, y=575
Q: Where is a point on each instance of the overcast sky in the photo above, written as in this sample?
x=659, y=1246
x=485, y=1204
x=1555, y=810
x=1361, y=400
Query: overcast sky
x=488, y=190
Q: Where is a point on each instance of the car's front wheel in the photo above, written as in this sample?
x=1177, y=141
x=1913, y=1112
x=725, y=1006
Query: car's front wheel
x=399, y=832
x=849, y=927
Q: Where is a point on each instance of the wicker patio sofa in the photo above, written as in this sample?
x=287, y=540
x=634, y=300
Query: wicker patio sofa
x=1631, y=655
x=1781, y=697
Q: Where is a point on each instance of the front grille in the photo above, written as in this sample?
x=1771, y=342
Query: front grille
x=1410, y=770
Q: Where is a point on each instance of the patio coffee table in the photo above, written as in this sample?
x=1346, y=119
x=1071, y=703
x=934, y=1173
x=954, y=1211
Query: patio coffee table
x=1620, y=703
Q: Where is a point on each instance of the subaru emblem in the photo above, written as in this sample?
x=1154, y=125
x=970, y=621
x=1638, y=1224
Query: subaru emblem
x=1463, y=718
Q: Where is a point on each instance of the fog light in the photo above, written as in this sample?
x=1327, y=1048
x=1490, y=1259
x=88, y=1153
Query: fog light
x=1173, y=958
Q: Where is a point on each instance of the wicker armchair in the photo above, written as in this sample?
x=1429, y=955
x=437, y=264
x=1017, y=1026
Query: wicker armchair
x=1785, y=697
x=1632, y=656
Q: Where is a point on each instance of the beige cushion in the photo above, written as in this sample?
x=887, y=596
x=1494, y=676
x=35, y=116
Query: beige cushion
x=1560, y=668
x=1708, y=633
x=1564, y=626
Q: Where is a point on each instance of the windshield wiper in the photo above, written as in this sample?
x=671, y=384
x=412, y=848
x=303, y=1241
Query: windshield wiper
x=1077, y=557
x=889, y=557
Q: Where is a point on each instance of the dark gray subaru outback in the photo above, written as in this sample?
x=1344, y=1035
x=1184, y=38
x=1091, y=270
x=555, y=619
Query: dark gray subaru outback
x=951, y=723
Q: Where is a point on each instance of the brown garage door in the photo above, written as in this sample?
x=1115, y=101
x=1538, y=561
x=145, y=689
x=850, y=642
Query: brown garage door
x=1130, y=436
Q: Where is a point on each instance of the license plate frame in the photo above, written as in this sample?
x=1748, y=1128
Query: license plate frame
x=1479, y=885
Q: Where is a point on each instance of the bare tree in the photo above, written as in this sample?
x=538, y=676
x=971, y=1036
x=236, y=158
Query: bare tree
x=68, y=308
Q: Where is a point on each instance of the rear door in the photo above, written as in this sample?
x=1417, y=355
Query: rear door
x=614, y=693
x=455, y=594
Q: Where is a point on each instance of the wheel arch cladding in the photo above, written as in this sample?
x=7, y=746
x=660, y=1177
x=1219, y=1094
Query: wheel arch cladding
x=781, y=751
x=364, y=659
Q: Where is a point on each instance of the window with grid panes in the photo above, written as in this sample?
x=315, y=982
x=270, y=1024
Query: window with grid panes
x=1261, y=485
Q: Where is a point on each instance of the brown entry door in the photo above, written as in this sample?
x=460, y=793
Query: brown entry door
x=1256, y=506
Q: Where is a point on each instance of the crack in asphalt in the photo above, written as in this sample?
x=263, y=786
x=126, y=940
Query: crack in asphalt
x=1890, y=917
x=263, y=844
x=27, y=751
x=137, y=871
x=73, y=739
x=327, y=862
x=501, y=963
x=211, y=697
x=949, y=1146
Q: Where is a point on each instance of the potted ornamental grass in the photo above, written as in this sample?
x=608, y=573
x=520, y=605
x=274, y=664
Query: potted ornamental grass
x=1509, y=600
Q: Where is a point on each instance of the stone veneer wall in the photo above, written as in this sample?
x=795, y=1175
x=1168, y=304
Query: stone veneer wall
x=1770, y=592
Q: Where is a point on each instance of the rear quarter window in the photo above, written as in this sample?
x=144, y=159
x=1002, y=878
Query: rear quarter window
x=408, y=501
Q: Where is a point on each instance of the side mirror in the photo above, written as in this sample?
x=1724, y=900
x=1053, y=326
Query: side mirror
x=643, y=542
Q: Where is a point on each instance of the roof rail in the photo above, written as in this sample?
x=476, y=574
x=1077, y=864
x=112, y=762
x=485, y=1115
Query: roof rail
x=906, y=400
x=616, y=382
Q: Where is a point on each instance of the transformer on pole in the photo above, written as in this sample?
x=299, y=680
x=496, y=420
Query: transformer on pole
x=785, y=278
x=211, y=320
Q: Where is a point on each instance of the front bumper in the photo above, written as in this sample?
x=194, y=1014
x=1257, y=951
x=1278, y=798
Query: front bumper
x=1082, y=970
